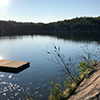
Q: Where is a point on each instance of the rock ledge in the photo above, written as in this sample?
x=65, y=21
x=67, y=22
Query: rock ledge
x=89, y=89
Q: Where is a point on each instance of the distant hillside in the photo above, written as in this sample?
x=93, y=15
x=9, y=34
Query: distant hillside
x=18, y=28
x=82, y=24
x=76, y=27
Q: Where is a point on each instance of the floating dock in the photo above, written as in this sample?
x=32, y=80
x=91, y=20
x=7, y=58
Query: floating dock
x=13, y=66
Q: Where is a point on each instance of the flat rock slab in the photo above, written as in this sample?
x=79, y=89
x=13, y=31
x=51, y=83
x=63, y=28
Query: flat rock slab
x=89, y=89
x=13, y=66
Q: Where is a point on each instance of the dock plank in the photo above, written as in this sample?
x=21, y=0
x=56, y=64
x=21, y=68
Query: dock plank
x=3, y=62
x=13, y=66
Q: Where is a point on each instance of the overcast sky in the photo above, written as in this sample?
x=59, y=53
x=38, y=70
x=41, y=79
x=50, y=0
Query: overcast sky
x=47, y=10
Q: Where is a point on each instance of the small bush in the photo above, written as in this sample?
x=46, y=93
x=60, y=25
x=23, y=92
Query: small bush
x=56, y=92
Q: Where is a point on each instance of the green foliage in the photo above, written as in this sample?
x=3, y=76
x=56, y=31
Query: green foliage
x=77, y=78
x=69, y=86
x=85, y=67
x=56, y=92
x=68, y=78
x=30, y=99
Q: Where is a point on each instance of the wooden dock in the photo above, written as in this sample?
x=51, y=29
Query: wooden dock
x=13, y=66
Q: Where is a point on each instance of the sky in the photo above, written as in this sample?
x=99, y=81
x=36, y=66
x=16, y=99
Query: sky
x=47, y=10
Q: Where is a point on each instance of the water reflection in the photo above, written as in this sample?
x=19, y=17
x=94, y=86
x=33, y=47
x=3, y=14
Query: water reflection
x=35, y=79
x=14, y=91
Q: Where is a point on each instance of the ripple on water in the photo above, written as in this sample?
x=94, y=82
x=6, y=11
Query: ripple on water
x=1, y=75
x=16, y=94
x=10, y=76
x=4, y=94
x=37, y=87
x=40, y=95
x=11, y=90
x=4, y=83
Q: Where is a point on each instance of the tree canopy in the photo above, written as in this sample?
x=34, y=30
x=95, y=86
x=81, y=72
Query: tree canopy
x=83, y=27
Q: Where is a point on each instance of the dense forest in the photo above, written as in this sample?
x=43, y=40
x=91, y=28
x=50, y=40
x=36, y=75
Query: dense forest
x=83, y=27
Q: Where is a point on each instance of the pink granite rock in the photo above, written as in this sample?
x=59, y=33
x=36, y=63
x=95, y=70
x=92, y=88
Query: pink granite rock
x=89, y=89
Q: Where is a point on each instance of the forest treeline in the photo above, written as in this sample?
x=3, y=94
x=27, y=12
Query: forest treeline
x=83, y=27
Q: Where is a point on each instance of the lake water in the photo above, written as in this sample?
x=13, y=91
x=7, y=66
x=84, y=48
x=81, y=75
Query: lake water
x=35, y=79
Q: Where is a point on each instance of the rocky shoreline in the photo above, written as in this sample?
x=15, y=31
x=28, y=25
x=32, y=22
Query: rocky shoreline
x=89, y=89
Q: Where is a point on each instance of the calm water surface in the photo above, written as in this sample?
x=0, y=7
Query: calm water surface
x=35, y=79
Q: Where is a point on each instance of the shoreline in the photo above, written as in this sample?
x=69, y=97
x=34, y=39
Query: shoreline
x=89, y=88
